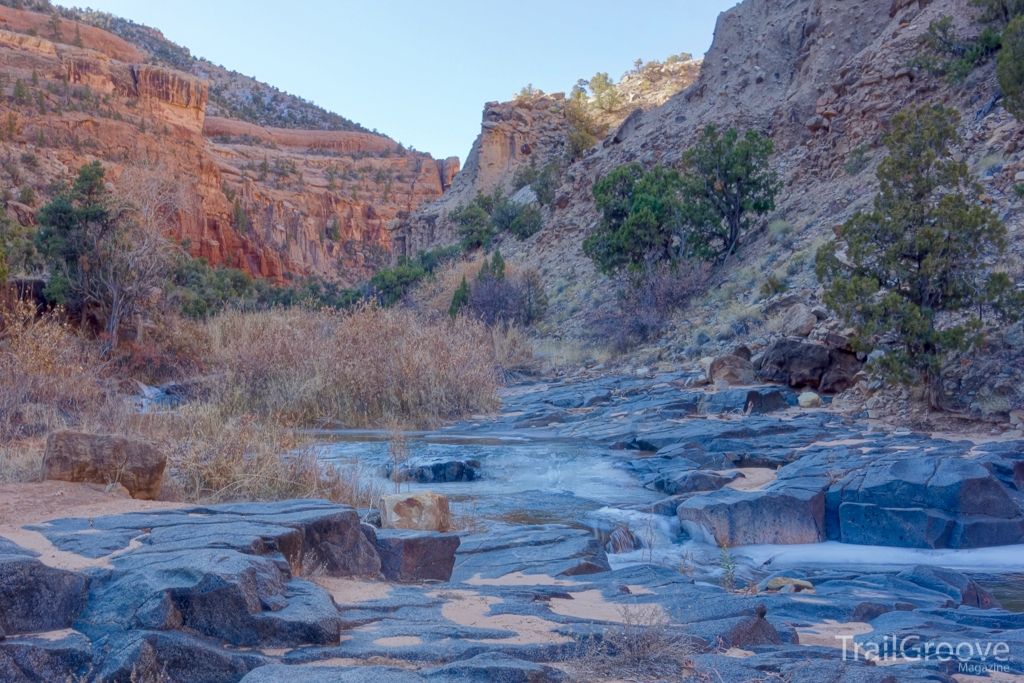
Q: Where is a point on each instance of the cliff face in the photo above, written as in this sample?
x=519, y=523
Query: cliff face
x=529, y=130
x=273, y=202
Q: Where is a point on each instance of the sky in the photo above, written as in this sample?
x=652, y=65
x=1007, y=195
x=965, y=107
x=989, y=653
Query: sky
x=420, y=71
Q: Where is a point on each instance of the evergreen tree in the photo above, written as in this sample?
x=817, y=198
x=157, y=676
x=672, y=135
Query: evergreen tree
x=919, y=268
x=640, y=218
x=460, y=299
x=1010, y=68
x=726, y=182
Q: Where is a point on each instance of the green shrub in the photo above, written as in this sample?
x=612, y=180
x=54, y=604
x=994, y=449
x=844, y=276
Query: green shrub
x=584, y=130
x=529, y=222
x=921, y=256
x=640, y=216
x=27, y=195
x=1018, y=190
x=1010, y=68
x=474, y=224
x=858, y=160
x=606, y=96
x=460, y=299
x=772, y=286
x=545, y=185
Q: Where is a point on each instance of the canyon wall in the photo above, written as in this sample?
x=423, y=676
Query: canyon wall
x=276, y=203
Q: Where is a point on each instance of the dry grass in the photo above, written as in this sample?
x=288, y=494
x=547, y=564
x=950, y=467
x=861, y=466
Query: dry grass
x=271, y=372
x=50, y=377
x=242, y=458
x=643, y=648
x=434, y=296
x=354, y=369
x=513, y=349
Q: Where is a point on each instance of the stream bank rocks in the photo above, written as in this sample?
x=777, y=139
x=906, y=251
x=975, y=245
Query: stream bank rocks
x=829, y=477
x=224, y=594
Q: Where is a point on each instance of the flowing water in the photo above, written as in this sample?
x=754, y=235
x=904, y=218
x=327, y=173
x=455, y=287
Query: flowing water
x=586, y=486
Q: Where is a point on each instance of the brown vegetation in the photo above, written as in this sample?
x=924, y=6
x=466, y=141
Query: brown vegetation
x=267, y=373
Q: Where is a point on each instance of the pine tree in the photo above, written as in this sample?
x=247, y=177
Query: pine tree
x=498, y=265
x=78, y=42
x=1010, y=68
x=460, y=299
x=919, y=268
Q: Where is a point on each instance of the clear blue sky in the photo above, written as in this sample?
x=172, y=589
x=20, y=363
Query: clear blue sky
x=420, y=71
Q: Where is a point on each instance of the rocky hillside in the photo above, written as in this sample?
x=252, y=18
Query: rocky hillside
x=532, y=130
x=305, y=193
x=822, y=78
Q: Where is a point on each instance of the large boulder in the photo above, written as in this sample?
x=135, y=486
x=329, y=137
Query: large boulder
x=411, y=556
x=45, y=658
x=105, y=459
x=551, y=549
x=730, y=517
x=794, y=363
x=430, y=470
x=731, y=369
x=929, y=502
x=419, y=511
x=494, y=667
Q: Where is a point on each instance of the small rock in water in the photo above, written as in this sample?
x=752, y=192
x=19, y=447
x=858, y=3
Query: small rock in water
x=809, y=399
x=721, y=384
x=643, y=372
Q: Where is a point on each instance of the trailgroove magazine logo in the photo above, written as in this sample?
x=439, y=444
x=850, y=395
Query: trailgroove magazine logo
x=972, y=656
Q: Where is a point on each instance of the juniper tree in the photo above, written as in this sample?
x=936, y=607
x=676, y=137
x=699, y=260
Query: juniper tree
x=1010, y=68
x=919, y=269
x=726, y=183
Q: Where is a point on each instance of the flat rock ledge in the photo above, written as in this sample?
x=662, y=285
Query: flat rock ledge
x=295, y=591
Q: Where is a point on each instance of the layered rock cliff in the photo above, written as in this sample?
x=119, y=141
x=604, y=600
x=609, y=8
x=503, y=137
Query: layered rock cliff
x=274, y=202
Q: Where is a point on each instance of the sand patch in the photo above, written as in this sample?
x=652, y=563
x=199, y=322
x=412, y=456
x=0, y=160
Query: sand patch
x=838, y=442
x=398, y=641
x=591, y=605
x=830, y=633
x=737, y=653
x=992, y=677
x=352, y=591
x=471, y=609
x=520, y=579
x=753, y=479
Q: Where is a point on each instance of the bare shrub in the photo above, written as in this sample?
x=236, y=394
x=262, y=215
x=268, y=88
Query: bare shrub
x=643, y=648
x=49, y=376
x=647, y=299
x=517, y=298
x=513, y=349
x=357, y=368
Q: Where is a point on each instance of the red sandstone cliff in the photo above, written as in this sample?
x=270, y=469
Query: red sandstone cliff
x=273, y=202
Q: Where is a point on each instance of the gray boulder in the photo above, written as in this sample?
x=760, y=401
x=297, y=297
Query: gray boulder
x=35, y=597
x=411, y=556
x=494, y=667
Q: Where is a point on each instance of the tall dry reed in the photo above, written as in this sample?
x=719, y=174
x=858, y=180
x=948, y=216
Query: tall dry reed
x=356, y=369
